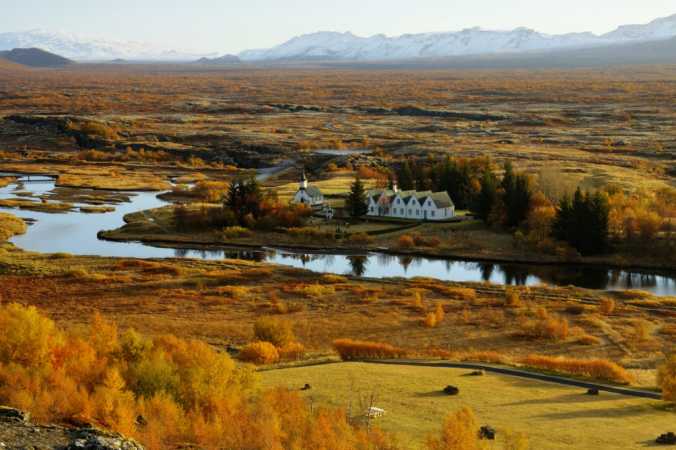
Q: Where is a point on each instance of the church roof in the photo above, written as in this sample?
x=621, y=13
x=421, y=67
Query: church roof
x=312, y=191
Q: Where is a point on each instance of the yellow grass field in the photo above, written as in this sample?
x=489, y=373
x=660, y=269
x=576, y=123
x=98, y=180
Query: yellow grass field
x=553, y=416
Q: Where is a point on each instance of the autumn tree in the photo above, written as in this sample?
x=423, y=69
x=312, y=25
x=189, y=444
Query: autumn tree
x=583, y=222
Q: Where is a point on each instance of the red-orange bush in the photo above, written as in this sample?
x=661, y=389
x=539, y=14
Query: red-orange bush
x=601, y=369
x=259, y=353
x=349, y=349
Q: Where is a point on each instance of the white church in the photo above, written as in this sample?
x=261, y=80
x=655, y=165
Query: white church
x=308, y=195
x=414, y=205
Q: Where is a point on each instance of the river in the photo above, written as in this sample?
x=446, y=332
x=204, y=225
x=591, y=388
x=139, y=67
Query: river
x=76, y=233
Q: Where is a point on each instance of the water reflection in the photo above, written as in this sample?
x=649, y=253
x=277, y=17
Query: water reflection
x=76, y=233
x=358, y=264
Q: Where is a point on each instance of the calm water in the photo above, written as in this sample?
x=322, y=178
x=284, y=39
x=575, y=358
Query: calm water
x=76, y=233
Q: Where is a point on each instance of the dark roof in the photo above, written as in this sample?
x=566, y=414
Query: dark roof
x=440, y=199
x=312, y=191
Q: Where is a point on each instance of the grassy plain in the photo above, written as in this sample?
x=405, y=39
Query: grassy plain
x=553, y=416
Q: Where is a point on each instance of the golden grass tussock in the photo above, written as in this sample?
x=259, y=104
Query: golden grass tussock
x=276, y=331
x=632, y=294
x=513, y=298
x=430, y=320
x=607, y=306
x=350, y=349
x=544, y=326
x=11, y=226
x=666, y=379
x=599, y=369
x=236, y=232
x=334, y=279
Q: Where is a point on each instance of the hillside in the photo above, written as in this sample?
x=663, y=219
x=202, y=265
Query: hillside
x=8, y=66
x=35, y=57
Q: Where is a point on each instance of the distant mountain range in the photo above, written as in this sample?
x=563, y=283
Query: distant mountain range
x=81, y=48
x=347, y=47
x=474, y=41
x=34, y=57
x=222, y=60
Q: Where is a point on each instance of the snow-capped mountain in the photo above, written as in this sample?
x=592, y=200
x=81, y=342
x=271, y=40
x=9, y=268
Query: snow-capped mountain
x=81, y=48
x=472, y=41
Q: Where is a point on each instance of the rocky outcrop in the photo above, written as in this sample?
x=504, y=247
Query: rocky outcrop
x=18, y=433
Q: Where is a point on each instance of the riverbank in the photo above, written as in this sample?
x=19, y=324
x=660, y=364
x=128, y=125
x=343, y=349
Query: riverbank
x=469, y=240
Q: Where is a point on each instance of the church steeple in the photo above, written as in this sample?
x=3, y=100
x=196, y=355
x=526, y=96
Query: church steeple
x=303, y=180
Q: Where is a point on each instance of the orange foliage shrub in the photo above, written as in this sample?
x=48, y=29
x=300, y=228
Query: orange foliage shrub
x=666, y=379
x=460, y=293
x=601, y=369
x=406, y=241
x=606, y=306
x=460, y=432
x=349, y=349
x=439, y=313
x=259, y=353
x=360, y=239
x=544, y=326
x=430, y=320
x=273, y=330
x=293, y=351
x=512, y=298
x=188, y=394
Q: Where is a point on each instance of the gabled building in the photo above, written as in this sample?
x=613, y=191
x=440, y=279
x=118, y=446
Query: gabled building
x=308, y=195
x=413, y=205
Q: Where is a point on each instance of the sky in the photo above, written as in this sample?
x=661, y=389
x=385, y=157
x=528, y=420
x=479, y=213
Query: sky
x=229, y=26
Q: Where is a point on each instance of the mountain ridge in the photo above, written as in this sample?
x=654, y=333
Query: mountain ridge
x=331, y=45
x=81, y=48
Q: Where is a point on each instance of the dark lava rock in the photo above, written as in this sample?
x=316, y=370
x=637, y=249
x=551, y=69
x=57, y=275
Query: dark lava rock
x=666, y=439
x=16, y=432
x=307, y=387
x=487, y=433
x=13, y=415
x=477, y=373
x=451, y=390
x=593, y=391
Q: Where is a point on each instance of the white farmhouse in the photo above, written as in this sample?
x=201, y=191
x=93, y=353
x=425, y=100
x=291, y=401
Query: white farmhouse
x=414, y=205
x=308, y=195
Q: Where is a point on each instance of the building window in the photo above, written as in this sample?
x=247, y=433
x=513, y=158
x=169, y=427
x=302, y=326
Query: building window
x=433, y=213
x=409, y=212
